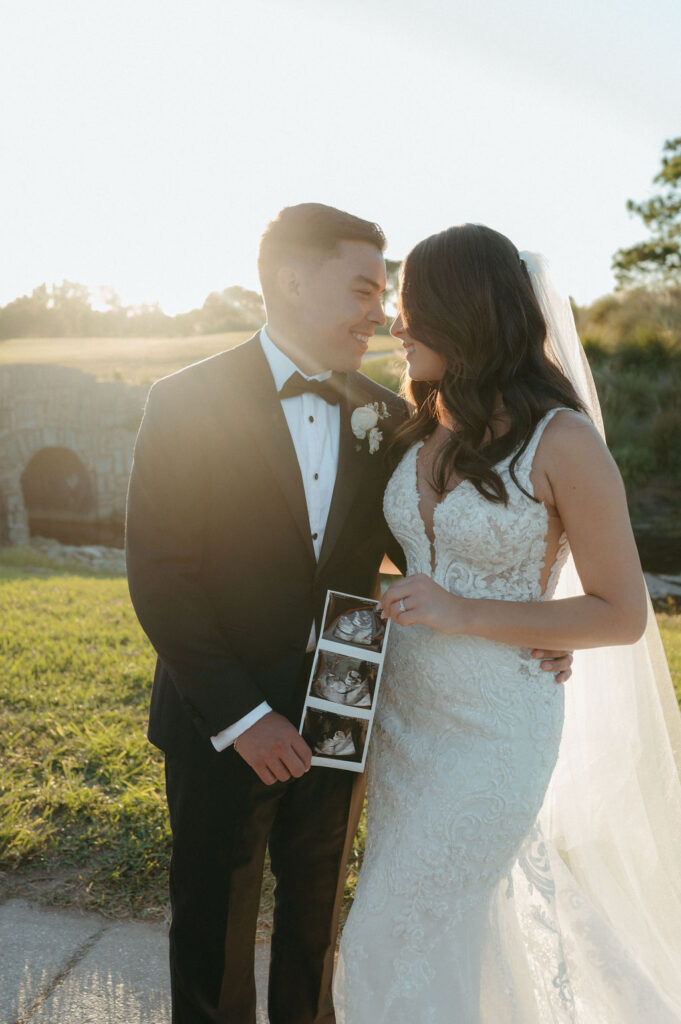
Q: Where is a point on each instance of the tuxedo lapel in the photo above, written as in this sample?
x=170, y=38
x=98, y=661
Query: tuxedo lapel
x=351, y=464
x=268, y=428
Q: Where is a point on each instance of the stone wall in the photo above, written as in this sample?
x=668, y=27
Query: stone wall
x=51, y=411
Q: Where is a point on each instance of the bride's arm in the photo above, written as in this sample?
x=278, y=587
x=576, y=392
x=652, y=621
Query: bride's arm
x=587, y=490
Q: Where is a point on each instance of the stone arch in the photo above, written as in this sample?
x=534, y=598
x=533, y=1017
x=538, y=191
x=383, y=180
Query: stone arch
x=59, y=496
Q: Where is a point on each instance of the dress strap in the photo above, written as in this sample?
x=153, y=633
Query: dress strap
x=523, y=467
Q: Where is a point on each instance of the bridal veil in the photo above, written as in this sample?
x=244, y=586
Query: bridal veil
x=591, y=919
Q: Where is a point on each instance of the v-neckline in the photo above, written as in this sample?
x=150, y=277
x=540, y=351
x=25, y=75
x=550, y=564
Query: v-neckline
x=416, y=448
x=430, y=541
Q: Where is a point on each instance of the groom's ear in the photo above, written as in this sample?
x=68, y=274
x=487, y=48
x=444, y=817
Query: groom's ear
x=288, y=284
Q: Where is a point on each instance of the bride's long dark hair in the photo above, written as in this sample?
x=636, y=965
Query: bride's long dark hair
x=466, y=294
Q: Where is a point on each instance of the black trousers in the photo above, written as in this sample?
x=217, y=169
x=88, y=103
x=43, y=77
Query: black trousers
x=222, y=820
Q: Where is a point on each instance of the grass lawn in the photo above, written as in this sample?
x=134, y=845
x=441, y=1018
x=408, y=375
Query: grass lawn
x=133, y=360
x=83, y=819
x=82, y=812
x=670, y=630
x=80, y=787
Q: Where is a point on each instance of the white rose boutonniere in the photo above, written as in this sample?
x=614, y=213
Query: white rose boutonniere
x=364, y=423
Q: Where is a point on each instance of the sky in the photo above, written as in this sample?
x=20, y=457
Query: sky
x=145, y=145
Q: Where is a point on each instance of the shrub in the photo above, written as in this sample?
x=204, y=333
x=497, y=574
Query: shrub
x=664, y=438
x=669, y=394
x=628, y=393
x=636, y=463
x=647, y=348
x=596, y=352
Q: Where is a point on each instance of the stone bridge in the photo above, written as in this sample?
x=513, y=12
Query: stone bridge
x=66, y=443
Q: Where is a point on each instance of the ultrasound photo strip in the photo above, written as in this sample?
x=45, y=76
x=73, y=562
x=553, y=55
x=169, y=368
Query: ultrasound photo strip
x=343, y=686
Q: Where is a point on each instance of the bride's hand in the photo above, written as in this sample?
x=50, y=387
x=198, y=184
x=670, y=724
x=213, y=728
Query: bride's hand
x=431, y=605
x=418, y=599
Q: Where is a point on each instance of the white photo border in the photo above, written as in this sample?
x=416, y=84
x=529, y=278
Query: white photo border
x=345, y=711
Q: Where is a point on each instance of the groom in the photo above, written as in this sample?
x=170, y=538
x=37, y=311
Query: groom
x=249, y=499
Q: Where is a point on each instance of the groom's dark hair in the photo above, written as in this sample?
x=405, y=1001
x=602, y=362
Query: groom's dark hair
x=310, y=229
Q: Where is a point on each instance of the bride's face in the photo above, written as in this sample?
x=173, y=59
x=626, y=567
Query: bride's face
x=424, y=363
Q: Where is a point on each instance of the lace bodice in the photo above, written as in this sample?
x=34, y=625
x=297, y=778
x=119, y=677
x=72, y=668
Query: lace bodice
x=481, y=549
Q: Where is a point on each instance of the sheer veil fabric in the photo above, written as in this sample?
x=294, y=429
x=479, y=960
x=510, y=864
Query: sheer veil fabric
x=612, y=814
x=586, y=927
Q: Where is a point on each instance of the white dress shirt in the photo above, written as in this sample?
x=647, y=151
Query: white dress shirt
x=314, y=426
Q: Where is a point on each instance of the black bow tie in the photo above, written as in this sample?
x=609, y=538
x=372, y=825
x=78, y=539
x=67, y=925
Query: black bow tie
x=329, y=389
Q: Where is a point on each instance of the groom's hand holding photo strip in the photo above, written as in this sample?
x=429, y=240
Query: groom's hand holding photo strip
x=343, y=685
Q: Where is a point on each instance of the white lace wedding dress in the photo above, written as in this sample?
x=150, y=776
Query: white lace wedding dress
x=455, y=918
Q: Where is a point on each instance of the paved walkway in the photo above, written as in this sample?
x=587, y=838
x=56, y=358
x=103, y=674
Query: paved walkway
x=64, y=967
x=661, y=585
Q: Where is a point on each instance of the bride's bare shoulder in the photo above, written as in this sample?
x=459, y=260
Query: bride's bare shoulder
x=571, y=440
x=567, y=426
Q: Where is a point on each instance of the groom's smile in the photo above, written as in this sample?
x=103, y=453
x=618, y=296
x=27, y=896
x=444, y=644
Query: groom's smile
x=335, y=306
x=364, y=338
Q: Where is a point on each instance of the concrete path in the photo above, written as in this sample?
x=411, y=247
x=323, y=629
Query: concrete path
x=661, y=585
x=64, y=967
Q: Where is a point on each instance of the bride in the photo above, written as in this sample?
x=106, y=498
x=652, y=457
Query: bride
x=521, y=861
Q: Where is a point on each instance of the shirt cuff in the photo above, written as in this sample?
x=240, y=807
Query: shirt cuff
x=226, y=737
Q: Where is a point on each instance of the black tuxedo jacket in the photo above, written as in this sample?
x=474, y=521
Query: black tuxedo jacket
x=221, y=567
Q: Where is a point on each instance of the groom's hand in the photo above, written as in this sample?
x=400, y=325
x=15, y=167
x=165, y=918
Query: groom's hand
x=558, y=662
x=274, y=749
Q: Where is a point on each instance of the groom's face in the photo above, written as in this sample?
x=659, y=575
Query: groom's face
x=340, y=306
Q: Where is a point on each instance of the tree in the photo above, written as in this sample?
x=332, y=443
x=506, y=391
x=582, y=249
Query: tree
x=71, y=311
x=27, y=315
x=392, y=275
x=246, y=302
x=65, y=310
x=657, y=262
x=232, y=309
